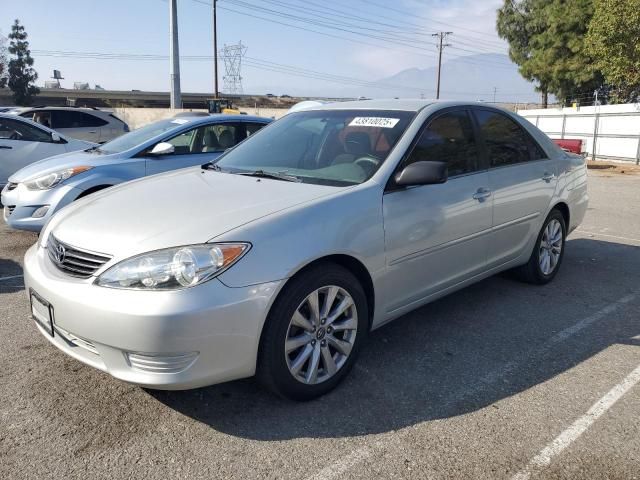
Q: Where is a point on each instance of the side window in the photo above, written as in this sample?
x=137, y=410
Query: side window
x=253, y=128
x=66, y=119
x=220, y=137
x=17, y=130
x=208, y=138
x=43, y=117
x=449, y=138
x=507, y=142
x=89, y=120
x=185, y=142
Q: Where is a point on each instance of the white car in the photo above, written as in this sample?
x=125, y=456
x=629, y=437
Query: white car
x=88, y=124
x=23, y=142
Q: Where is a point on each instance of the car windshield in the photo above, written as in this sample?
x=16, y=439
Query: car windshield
x=141, y=135
x=329, y=147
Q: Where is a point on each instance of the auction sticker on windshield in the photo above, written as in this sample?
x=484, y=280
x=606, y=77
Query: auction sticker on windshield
x=381, y=122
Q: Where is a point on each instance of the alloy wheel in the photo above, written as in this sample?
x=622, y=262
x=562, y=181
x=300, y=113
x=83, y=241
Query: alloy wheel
x=321, y=335
x=550, y=247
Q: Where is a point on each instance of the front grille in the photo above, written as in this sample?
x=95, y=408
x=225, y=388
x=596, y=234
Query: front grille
x=72, y=260
x=8, y=209
x=11, y=186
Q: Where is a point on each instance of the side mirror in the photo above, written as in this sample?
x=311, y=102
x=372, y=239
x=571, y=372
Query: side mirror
x=162, y=148
x=55, y=138
x=422, y=173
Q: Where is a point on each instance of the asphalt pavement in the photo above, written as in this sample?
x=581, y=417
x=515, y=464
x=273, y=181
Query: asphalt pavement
x=500, y=380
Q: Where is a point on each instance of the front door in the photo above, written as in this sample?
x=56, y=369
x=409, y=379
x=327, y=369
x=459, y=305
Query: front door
x=436, y=235
x=22, y=144
x=522, y=180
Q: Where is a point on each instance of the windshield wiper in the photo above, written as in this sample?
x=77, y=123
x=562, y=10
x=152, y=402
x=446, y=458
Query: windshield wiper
x=273, y=175
x=95, y=149
x=211, y=166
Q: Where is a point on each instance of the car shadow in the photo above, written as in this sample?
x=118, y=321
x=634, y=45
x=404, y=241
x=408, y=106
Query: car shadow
x=10, y=276
x=457, y=355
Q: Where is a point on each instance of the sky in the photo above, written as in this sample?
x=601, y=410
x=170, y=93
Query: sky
x=393, y=35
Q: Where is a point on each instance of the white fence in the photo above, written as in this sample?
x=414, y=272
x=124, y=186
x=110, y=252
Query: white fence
x=607, y=131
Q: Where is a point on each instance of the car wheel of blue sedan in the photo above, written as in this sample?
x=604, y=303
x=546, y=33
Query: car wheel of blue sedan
x=313, y=333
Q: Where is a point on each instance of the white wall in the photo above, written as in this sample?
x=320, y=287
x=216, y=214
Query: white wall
x=138, y=117
x=616, y=128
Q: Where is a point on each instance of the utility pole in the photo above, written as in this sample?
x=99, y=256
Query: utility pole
x=215, y=50
x=174, y=55
x=442, y=36
x=495, y=90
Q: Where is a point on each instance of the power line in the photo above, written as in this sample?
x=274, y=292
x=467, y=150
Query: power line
x=462, y=59
x=253, y=63
x=386, y=7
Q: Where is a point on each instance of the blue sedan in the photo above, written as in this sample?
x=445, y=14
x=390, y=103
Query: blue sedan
x=37, y=191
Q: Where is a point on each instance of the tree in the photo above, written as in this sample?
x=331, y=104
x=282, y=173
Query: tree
x=21, y=73
x=518, y=23
x=613, y=40
x=4, y=62
x=547, y=40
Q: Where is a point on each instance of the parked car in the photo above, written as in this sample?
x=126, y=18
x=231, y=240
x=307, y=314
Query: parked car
x=88, y=124
x=279, y=257
x=23, y=142
x=572, y=145
x=37, y=191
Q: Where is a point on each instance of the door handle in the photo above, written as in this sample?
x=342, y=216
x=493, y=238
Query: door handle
x=548, y=177
x=482, y=194
x=91, y=131
x=6, y=147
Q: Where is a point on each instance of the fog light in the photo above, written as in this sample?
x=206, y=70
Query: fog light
x=160, y=362
x=40, y=212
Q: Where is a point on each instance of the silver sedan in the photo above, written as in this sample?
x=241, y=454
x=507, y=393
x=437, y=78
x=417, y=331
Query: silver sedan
x=279, y=257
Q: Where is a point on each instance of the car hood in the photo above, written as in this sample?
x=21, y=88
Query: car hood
x=61, y=162
x=183, y=207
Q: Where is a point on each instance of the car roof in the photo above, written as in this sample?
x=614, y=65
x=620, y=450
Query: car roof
x=222, y=118
x=408, y=105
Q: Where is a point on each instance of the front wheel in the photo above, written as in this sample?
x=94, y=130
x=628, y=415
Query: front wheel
x=545, y=260
x=313, y=333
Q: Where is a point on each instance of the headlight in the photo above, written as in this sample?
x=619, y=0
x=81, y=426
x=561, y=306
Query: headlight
x=173, y=268
x=52, y=179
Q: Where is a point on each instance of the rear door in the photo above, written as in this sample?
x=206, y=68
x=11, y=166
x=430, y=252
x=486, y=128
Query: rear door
x=522, y=181
x=197, y=146
x=436, y=235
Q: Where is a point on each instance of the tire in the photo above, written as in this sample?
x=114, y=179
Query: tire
x=535, y=271
x=291, y=374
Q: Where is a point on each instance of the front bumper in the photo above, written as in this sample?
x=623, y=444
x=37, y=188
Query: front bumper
x=21, y=203
x=180, y=339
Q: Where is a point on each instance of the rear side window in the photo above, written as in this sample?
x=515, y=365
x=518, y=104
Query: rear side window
x=253, y=128
x=93, y=121
x=449, y=138
x=72, y=119
x=507, y=142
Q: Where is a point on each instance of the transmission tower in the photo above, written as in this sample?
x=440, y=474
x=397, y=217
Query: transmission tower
x=232, y=78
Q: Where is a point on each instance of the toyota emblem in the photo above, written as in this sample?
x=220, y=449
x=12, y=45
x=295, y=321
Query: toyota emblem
x=59, y=253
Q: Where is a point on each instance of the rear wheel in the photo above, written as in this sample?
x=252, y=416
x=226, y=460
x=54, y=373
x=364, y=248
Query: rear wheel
x=313, y=333
x=545, y=260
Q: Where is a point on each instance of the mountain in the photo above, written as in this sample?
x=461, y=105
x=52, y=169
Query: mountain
x=472, y=77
